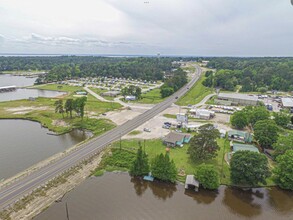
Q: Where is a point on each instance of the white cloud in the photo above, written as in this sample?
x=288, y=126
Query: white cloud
x=222, y=27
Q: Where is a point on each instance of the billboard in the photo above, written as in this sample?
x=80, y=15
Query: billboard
x=182, y=118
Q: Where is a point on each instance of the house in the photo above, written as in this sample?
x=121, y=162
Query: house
x=111, y=93
x=174, y=139
x=130, y=98
x=241, y=147
x=240, y=136
x=288, y=103
x=202, y=113
x=191, y=127
x=81, y=93
x=236, y=99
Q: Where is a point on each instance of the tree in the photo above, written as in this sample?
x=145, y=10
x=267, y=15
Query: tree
x=208, y=176
x=140, y=165
x=266, y=132
x=249, y=168
x=239, y=120
x=283, y=172
x=257, y=113
x=291, y=119
x=166, y=91
x=79, y=105
x=69, y=106
x=204, y=145
x=138, y=92
x=163, y=168
x=282, y=118
x=59, y=107
x=283, y=144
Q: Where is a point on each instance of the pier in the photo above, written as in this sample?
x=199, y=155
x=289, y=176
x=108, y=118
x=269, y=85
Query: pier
x=7, y=88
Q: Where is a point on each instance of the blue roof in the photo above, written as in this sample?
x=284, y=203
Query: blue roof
x=239, y=147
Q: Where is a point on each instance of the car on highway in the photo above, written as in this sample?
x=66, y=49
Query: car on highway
x=176, y=97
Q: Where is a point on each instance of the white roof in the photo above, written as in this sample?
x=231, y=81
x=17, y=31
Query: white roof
x=191, y=181
x=287, y=102
x=238, y=96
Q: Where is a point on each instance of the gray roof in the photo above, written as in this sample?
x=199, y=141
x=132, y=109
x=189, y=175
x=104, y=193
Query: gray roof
x=238, y=96
x=173, y=137
x=191, y=181
x=287, y=102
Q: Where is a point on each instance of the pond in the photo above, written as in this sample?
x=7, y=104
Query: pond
x=118, y=196
x=22, y=93
x=24, y=143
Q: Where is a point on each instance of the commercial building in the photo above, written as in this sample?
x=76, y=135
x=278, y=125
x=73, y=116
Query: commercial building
x=236, y=99
x=174, y=139
x=202, y=113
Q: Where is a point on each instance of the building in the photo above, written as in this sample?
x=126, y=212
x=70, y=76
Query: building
x=130, y=98
x=240, y=147
x=81, y=93
x=191, y=127
x=191, y=181
x=111, y=93
x=202, y=113
x=182, y=118
x=240, y=136
x=236, y=99
x=174, y=139
x=288, y=103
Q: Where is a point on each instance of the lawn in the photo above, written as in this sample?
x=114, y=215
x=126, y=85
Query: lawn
x=43, y=111
x=179, y=155
x=195, y=94
x=151, y=97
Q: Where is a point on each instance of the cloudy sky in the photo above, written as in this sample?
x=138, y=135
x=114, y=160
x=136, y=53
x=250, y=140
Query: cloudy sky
x=171, y=27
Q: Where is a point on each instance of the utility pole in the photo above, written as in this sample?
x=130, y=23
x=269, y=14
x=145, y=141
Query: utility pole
x=120, y=142
x=67, y=213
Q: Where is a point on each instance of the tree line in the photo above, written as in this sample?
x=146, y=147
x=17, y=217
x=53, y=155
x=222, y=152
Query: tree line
x=253, y=74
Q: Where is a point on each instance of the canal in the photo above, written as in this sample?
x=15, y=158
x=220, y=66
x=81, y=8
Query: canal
x=118, y=196
x=24, y=143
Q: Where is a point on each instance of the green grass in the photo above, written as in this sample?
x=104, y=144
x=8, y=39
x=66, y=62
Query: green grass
x=179, y=155
x=195, y=93
x=135, y=132
x=100, y=91
x=151, y=97
x=169, y=116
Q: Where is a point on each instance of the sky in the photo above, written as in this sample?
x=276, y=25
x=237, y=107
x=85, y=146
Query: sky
x=147, y=27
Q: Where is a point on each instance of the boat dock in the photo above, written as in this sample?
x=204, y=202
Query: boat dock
x=7, y=88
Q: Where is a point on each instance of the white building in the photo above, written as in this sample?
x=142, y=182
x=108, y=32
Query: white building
x=130, y=98
x=202, y=113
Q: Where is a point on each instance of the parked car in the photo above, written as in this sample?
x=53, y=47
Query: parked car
x=147, y=130
x=166, y=126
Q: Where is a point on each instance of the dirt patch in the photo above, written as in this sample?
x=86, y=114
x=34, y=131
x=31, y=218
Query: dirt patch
x=24, y=109
x=60, y=123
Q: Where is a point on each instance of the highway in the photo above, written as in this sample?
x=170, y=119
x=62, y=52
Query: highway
x=16, y=190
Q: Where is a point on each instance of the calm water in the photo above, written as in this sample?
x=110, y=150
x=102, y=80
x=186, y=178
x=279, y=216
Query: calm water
x=19, y=81
x=24, y=143
x=117, y=196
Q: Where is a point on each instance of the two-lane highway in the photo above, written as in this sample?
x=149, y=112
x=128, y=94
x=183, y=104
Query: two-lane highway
x=11, y=193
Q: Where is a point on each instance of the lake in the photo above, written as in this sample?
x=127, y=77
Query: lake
x=24, y=143
x=118, y=196
x=22, y=93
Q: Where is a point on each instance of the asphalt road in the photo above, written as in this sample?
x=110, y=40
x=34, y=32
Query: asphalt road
x=15, y=191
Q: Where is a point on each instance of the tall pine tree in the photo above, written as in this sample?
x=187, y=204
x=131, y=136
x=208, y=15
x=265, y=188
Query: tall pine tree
x=140, y=165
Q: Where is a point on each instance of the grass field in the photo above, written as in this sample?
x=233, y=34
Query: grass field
x=195, y=93
x=151, y=97
x=43, y=111
x=179, y=155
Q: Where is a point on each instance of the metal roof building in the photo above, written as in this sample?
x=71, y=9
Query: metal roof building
x=238, y=98
x=287, y=102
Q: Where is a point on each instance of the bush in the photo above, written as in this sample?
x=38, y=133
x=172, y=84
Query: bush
x=207, y=176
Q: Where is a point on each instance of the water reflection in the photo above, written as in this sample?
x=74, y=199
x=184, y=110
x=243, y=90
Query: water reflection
x=159, y=189
x=281, y=200
x=202, y=197
x=243, y=202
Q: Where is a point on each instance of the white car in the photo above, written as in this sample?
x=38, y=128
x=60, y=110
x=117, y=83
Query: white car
x=147, y=130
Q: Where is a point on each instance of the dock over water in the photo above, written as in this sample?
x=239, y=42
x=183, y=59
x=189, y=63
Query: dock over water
x=7, y=88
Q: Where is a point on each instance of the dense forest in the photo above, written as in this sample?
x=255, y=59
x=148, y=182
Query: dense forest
x=253, y=74
x=65, y=67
